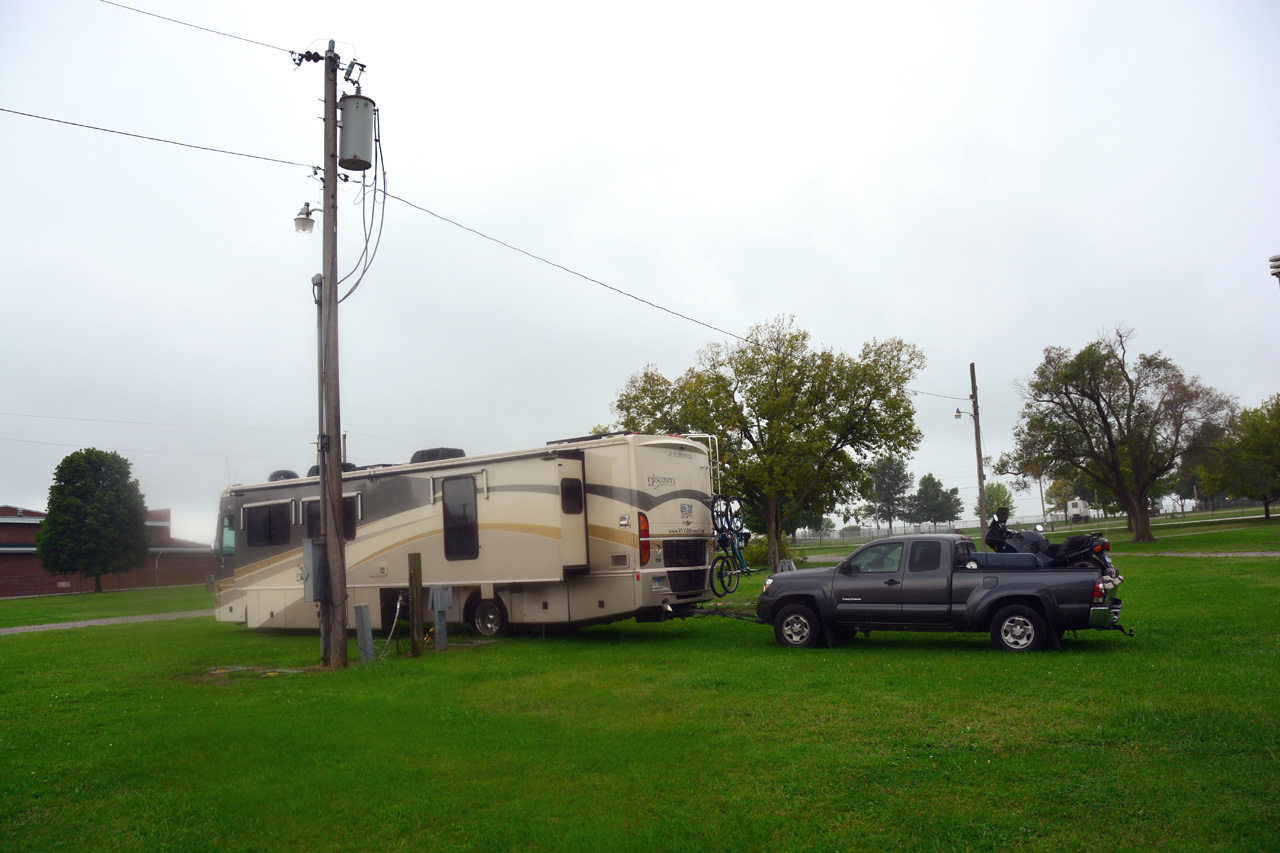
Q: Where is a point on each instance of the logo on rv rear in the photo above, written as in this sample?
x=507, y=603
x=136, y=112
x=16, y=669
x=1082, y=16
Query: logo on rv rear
x=655, y=481
x=686, y=513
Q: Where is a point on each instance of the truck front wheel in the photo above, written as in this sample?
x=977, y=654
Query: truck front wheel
x=797, y=626
x=1018, y=628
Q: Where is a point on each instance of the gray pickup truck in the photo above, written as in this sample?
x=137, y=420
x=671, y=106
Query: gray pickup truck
x=940, y=582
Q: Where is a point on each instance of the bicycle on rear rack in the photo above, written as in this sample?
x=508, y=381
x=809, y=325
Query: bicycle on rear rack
x=729, y=565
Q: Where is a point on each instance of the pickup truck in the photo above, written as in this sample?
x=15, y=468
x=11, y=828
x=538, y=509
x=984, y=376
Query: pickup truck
x=940, y=582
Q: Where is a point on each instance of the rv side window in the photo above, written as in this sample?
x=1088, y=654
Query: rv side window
x=571, y=496
x=228, y=535
x=268, y=525
x=350, y=517
x=461, y=531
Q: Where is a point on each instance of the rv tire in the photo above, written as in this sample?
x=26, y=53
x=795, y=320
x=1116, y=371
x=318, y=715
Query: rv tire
x=488, y=619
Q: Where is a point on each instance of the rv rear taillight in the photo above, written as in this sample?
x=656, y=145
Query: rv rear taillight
x=644, y=539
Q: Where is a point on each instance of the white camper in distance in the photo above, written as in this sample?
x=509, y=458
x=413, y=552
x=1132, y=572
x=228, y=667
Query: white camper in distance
x=579, y=532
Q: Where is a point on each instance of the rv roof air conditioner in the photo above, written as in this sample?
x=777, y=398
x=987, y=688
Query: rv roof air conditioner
x=435, y=454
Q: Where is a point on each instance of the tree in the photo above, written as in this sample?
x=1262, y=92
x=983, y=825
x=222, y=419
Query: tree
x=1125, y=423
x=797, y=426
x=997, y=495
x=97, y=519
x=890, y=483
x=934, y=504
x=1057, y=495
x=1245, y=462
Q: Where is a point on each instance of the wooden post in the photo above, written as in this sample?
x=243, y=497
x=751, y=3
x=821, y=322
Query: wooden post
x=415, y=605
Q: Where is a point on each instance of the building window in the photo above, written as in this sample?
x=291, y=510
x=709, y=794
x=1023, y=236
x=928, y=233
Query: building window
x=461, y=530
x=268, y=525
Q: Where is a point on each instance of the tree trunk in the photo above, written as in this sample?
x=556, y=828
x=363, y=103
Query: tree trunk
x=773, y=529
x=97, y=583
x=1139, y=518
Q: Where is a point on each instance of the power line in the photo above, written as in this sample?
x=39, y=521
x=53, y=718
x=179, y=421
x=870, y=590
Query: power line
x=147, y=423
x=566, y=269
x=194, y=27
x=156, y=139
x=441, y=217
x=137, y=449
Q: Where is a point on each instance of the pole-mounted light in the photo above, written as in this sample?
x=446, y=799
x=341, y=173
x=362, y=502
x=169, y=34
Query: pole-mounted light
x=1275, y=267
x=303, y=223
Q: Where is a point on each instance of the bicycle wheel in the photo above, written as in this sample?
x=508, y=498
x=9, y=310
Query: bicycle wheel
x=731, y=576
x=720, y=513
x=720, y=570
x=736, y=521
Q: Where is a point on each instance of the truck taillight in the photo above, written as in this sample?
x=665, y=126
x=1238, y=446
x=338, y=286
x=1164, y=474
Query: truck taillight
x=644, y=539
x=1099, y=596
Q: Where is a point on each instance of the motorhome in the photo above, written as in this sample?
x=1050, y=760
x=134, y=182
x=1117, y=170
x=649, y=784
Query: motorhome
x=578, y=532
x=1078, y=511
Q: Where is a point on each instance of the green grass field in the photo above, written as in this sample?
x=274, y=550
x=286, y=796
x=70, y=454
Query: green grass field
x=699, y=734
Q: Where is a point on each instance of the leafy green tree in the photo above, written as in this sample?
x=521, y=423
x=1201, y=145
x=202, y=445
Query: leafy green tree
x=1246, y=460
x=933, y=503
x=890, y=483
x=1057, y=495
x=997, y=495
x=1124, y=422
x=797, y=426
x=97, y=520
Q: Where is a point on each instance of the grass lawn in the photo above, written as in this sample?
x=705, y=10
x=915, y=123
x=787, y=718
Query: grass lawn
x=699, y=734
x=42, y=610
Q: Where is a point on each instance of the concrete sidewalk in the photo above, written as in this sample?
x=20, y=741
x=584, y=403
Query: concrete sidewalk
x=114, y=620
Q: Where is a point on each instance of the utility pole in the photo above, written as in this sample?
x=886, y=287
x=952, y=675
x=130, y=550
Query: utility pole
x=977, y=441
x=333, y=610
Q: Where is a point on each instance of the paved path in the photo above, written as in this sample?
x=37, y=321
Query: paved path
x=114, y=620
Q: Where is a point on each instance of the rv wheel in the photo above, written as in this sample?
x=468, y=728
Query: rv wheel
x=488, y=619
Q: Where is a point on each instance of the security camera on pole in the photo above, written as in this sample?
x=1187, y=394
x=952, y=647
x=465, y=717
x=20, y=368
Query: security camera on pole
x=356, y=155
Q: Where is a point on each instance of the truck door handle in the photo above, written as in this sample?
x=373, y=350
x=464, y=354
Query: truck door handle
x=892, y=582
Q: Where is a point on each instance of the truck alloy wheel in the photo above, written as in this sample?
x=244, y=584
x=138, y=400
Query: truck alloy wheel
x=797, y=626
x=1018, y=628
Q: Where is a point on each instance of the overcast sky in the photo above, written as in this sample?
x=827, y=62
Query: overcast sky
x=981, y=179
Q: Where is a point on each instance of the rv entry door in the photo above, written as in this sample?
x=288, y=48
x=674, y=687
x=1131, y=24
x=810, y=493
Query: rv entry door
x=573, y=514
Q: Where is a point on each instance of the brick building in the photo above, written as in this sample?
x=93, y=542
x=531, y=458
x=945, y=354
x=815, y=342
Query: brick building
x=172, y=562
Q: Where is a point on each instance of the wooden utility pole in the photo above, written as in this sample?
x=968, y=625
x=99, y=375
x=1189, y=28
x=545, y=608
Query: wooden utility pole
x=977, y=441
x=334, y=607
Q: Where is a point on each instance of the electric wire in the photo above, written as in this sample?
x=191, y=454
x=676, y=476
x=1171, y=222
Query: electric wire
x=572, y=272
x=195, y=27
x=378, y=149
x=156, y=139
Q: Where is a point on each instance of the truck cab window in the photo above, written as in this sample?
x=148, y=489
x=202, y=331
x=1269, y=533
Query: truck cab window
x=925, y=556
x=461, y=530
x=878, y=558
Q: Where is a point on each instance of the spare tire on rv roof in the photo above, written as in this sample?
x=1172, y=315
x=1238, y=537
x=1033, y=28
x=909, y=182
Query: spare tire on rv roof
x=435, y=454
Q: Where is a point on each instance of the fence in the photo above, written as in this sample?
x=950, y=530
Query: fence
x=30, y=581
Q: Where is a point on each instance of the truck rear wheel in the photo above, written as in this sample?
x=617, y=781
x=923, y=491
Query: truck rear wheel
x=797, y=626
x=1018, y=628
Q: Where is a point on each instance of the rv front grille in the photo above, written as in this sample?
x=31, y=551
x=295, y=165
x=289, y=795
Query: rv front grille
x=687, y=581
x=684, y=552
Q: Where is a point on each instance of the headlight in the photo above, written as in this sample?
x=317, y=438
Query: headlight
x=767, y=582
